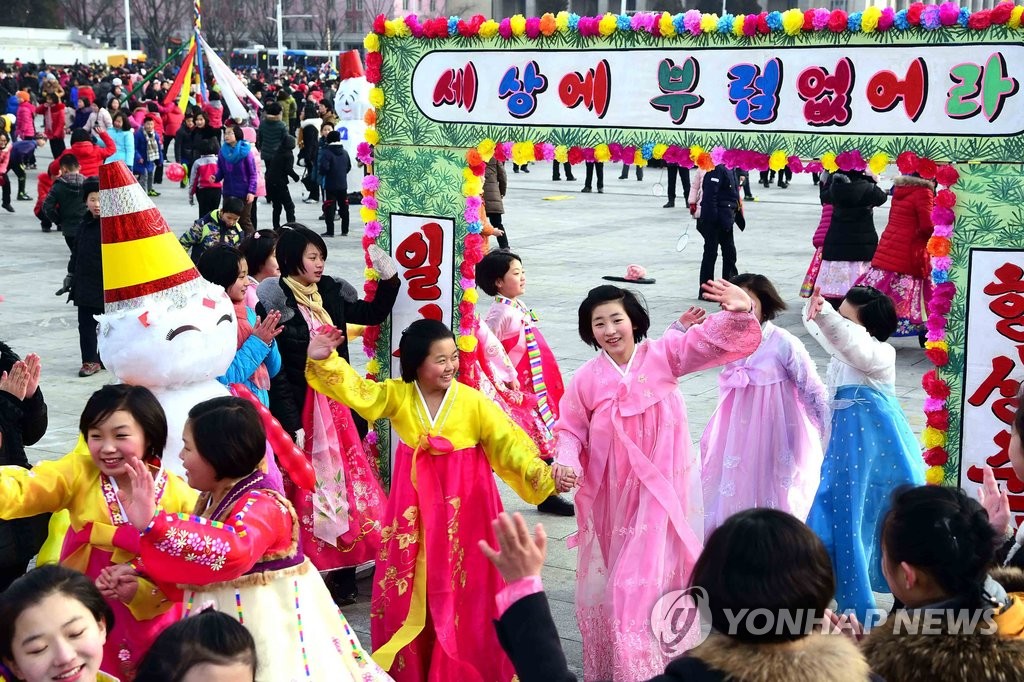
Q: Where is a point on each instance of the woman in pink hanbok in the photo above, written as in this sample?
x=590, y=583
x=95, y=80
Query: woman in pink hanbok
x=762, y=447
x=623, y=436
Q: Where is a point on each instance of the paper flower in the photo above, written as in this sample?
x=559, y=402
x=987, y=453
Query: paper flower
x=934, y=475
x=376, y=98
x=828, y=162
x=777, y=161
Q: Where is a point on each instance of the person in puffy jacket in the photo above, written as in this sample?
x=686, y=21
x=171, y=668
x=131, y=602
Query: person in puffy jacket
x=202, y=180
x=149, y=153
x=236, y=170
x=219, y=226
x=89, y=154
x=334, y=167
x=25, y=118
x=901, y=266
x=124, y=137
x=53, y=123
x=851, y=239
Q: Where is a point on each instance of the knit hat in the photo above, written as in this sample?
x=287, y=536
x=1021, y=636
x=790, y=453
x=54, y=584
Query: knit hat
x=143, y=263
x=23, y=96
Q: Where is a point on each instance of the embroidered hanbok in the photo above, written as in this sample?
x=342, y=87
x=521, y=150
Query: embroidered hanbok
x=639, y=510
x=99, y=536
x=433, y=602
x=243, y=556
x=516, y=327
x=871, y=450
x=762, y=447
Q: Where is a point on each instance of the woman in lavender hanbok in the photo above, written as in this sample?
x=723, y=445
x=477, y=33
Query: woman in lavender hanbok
x=762, y=447
x=622, y=436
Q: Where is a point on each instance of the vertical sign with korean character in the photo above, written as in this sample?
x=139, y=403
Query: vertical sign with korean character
x=994, y=368
x=424, y=249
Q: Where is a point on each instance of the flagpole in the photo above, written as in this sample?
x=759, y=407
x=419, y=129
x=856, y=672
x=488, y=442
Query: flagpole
x=197, y=9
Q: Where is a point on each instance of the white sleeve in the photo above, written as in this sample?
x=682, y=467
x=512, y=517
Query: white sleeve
x=849, y=342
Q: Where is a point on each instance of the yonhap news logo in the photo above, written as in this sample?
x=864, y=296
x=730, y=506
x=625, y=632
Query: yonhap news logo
x=681, y=620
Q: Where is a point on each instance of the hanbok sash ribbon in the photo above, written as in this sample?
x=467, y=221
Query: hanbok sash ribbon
x=540, y=388
x=330, y=498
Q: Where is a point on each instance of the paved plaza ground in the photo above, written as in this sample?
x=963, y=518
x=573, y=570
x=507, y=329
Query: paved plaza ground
x=567, y=241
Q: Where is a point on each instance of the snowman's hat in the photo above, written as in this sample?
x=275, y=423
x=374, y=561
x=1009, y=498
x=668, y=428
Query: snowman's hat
x=143, y=263
x=351, y=65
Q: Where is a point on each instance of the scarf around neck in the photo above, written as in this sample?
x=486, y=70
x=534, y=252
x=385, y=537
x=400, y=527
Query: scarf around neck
x=236, y=153
x=309, y=296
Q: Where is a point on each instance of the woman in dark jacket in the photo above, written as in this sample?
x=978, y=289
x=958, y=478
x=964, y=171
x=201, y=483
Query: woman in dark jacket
x=86, y=268
x=23, y=420
x=851, y=239
x=495, y=184
x=307, y=299
x=333, y=168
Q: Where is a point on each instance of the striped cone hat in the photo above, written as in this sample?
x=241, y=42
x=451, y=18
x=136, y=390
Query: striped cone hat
x=143, y=263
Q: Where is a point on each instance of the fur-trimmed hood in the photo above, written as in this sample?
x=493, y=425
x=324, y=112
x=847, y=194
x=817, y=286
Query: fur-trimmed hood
x=814, y=658
x=913, y=181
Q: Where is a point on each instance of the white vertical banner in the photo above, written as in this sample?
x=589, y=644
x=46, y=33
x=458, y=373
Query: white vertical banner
x=424, y=250
x=994, y=369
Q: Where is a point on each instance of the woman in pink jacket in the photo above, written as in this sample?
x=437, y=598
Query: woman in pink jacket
x=25, y=124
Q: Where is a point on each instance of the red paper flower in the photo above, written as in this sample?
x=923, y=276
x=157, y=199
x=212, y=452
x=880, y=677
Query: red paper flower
x=1001, y=12
x=907, y=163
x=478, y=169
x=499, y=153
x=936, y=457
x=938, y=420
x=467, y=270
x=926, y=168
x=809, y=20
x=980, y=20
x=947, y=175
x=914, y=13
x=367, y=241
x=934, y=386
x=946, y=198
x=378, y=24
x=939, y=358
x=838, y=21
x=762, y=24
x=465, y=308
x=575, y=155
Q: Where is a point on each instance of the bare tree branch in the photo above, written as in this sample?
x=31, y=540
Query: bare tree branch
x=85, y=15
x=226, y=23
x=159, y=20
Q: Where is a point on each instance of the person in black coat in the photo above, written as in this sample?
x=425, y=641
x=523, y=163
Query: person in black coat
x=851, y=236
x=279, y=169
x=333, y=168
x=719, y=201
x=86, y=269
x=23, y=421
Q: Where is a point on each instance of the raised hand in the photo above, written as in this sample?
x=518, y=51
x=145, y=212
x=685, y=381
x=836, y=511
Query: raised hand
x=692, y=317
x=382, y=262
x=816, y=304
x=35, y=368
x=520, y=555
x=995, y=501
x=727, y=295
x=323, y=343
x=15, y=382
x=268, y=329
x=139, y=502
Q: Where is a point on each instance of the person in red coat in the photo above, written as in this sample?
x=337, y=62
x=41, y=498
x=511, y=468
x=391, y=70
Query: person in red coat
x=900, y=268
x=90, y=155
x=54, y=123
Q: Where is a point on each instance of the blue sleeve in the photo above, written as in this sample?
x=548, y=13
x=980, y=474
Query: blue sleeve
x=220, y=167
x=247, y=360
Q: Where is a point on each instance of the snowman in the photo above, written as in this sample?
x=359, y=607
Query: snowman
x=164, y=326
x=351, y=103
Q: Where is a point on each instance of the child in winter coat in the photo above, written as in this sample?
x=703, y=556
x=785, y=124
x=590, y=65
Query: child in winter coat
x=279, y=169
x=53, y=113
x=149, y=152
x=65, y=205
x=202, y=182
x=236, y=169
x=43, y=185
x=124, y=137
x=184, y=151
x=334, y=167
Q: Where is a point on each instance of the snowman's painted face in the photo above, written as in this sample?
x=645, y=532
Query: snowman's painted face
x=170, y=347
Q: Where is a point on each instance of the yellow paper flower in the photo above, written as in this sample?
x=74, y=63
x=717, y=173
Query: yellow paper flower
x=522, y=153
x=869, y=20
x=665, y=25
x=467, y=344
x=518, y=24
x=737, y=25
x=606, y=26
x=370, y=274
x=561, y=153
x=468, y=174
x=372, y=42
x=376, y=98
x=562, y=22
x=659, y=151
x=367, y=214
x=470, y=295
x=934, y=476
x=391, y=27
x=777, y=161
x=372, y=136
x=373, y=366
x=878, y=162
x=933, y=438
x=828, y=162
x=486, y=149
x=489, y=28
x=638, y=159
x=1015, y=15
x=792, y=22
x=695, y=152
x=602, y=154
x=940, y=345
x=471, y=188
x=709, y=23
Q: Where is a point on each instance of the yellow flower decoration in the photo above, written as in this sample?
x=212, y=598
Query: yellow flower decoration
x=659, y=151
x=561, y=153
x=934, y=476
x=638, y=159
x=737, y=25
x=878, y=162
x=665, y=25
x=828, y=162
x=372, y=136
x=606, y=26
x=695, y=152
x=372, y=42
x=391, y=27
x=792, y=22
x=522, y=152
x=470, y=295
x=373, y=366
x=869, y=19
x=562, y=22
x=933, y=438
x=518, y=24
x=376, y=98
x=370, y=274
x=489, y=28
x=486, y=149
x=367, y=214
x=468, y=174
x=602, y=154
x=467, y=344
x=708, y=23
x=1015, y=15
x=940, y=345
x=471, y=188
x=777, y=160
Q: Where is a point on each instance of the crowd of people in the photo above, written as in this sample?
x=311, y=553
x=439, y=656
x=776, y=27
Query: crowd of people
x=805, y=495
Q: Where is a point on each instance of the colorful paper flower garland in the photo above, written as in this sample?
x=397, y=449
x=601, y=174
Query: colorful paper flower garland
x=792, y=22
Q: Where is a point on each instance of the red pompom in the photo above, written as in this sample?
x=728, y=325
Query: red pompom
x=575, y=155
x=907, y=162
x=938, y=420
x=378, y=24
x=946, y=198
x=914, y=13
x=926, y=168
x=938, y=356
x=1001, y=12
x=980, y=20
x=936, y=457
x=762, y=24
x=947, y=175
x=934, y=386
x=809, y=20
x=838, y=21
